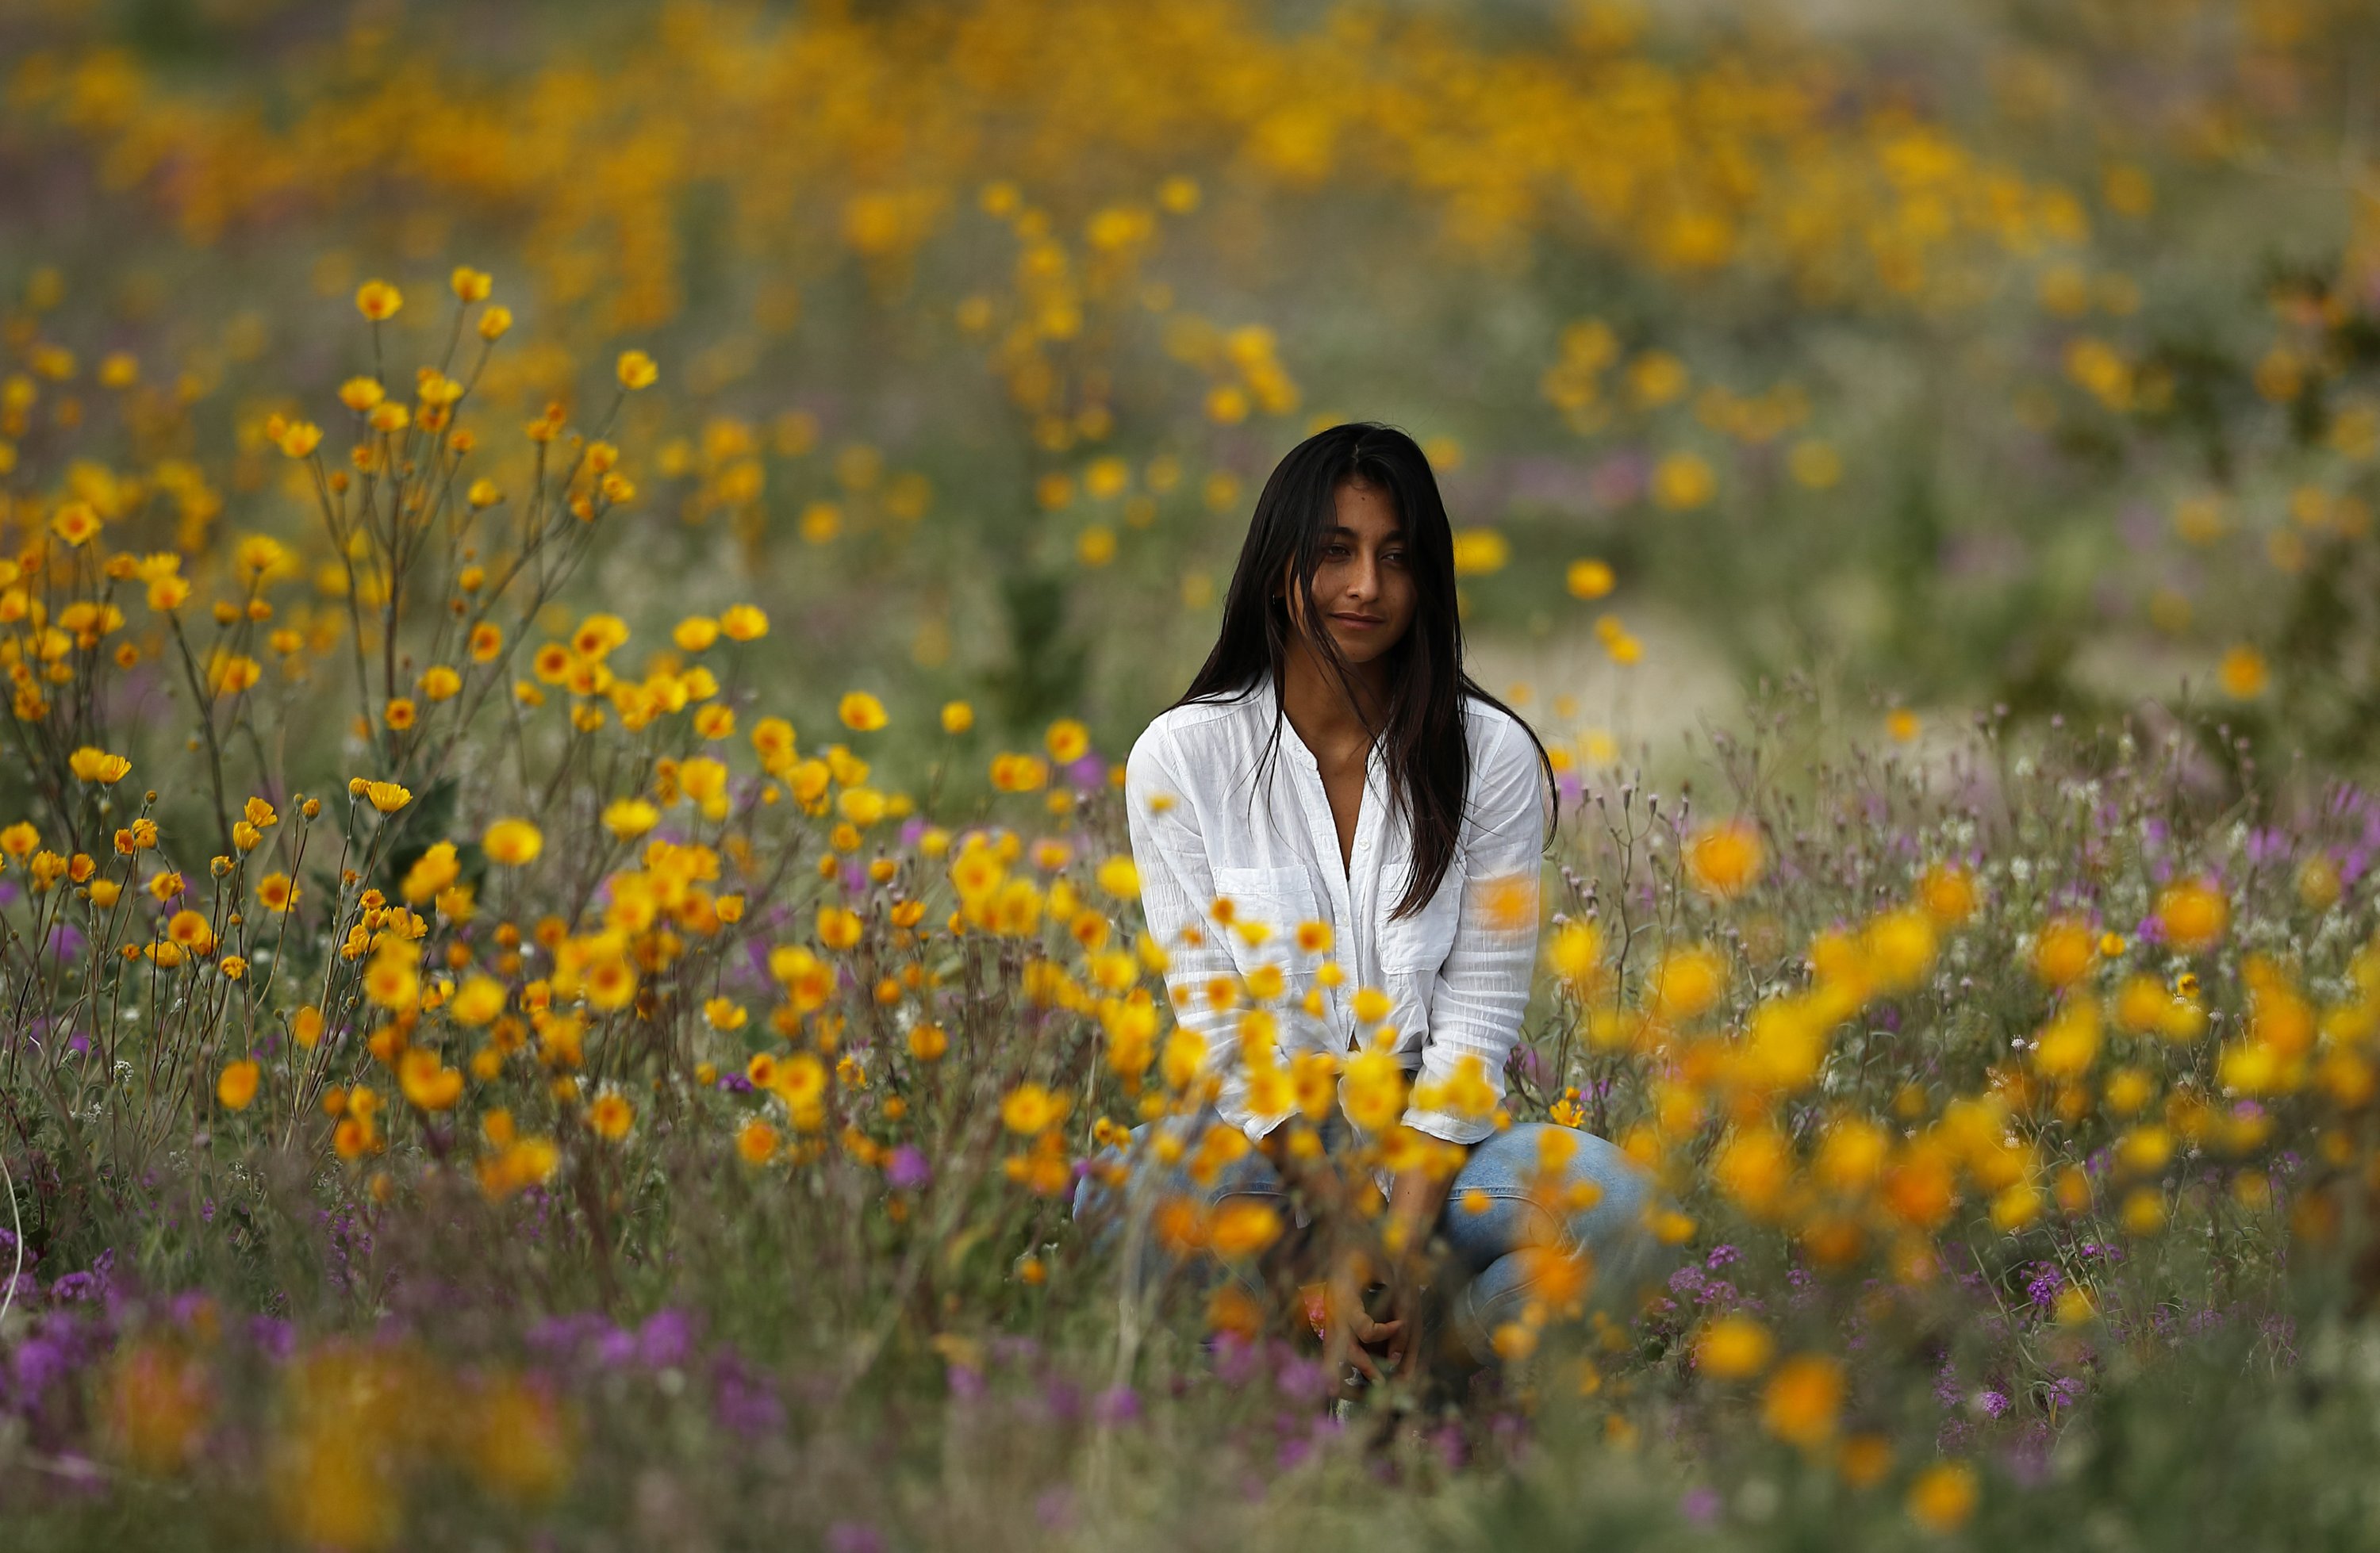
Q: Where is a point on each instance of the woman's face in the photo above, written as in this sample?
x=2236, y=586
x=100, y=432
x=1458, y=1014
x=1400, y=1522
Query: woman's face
x=1364, y=584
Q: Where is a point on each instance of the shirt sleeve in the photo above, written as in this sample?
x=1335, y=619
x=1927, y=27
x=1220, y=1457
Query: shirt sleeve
x=1483, y=986
x=1177, y=889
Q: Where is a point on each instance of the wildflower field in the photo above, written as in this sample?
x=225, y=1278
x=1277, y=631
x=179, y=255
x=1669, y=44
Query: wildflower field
x=575, y=583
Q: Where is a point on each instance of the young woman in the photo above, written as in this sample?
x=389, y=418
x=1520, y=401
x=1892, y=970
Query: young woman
x=1332, y=764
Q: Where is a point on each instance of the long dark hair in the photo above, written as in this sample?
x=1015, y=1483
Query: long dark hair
x=1429, y=759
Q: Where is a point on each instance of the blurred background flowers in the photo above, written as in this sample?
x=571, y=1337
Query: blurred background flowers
x=575, y=580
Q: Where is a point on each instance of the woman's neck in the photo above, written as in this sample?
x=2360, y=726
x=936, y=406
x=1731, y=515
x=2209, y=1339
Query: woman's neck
x=1316, y=704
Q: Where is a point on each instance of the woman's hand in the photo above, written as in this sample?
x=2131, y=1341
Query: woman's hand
x=1417, y=1198
x=1371, y=1293
x=1353, y=1339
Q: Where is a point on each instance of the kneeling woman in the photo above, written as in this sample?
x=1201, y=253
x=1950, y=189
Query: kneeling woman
x=1332, y=766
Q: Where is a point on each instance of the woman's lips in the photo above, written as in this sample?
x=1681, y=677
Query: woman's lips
x=1360, y=621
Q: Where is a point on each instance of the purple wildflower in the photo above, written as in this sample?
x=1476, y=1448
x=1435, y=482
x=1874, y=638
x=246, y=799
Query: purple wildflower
x=742, y=1400
x=853, y=1536
x=665, y=1340
x=907, y=1170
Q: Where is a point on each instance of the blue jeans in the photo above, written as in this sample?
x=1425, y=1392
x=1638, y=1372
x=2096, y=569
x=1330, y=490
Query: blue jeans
x=1513, y=1232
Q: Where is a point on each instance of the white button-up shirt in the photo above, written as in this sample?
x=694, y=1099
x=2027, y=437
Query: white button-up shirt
x=1457, y=972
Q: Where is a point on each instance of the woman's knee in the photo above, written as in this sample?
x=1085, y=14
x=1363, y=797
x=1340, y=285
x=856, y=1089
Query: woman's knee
x=1534, y=1151
x=1600, y=1195
x=1619, y=1201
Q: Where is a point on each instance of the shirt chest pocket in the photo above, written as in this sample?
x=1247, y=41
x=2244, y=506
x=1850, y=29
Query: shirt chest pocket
x=1418, y=944
x=1278, y=899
